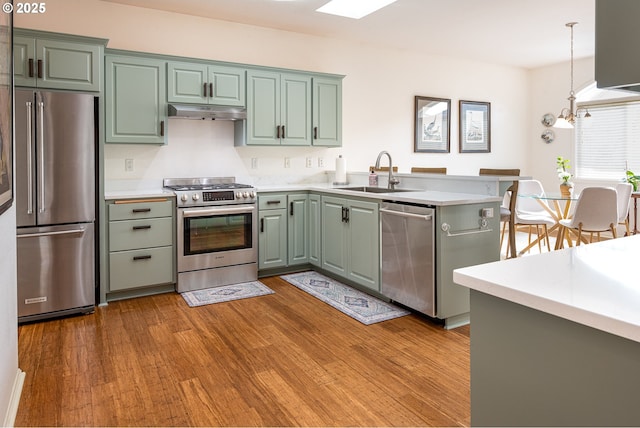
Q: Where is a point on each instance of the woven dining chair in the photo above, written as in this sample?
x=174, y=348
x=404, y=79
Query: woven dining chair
x=429, y=170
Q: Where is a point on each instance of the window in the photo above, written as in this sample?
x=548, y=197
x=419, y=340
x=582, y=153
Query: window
x=608, y=143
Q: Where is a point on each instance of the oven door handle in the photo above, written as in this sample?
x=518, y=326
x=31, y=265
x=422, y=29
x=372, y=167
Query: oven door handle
x=216, y=211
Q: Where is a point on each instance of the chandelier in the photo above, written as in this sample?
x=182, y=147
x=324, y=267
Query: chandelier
x=567, y=116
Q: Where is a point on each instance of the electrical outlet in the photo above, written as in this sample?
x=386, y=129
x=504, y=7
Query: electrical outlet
x=254, y=163
x=287, y=163
x=320, y=162
x=308, y=162
x=128, y=165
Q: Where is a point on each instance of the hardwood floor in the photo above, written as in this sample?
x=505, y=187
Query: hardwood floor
x=284, y=359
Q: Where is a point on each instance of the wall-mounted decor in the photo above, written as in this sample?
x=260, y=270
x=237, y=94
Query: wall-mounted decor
x=432, y=125
x=475, y=127
x=548, y=136
x=6, y=122
x=548, y=119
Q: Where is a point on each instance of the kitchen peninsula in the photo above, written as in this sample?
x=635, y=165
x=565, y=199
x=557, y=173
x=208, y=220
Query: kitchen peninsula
x=556, y=337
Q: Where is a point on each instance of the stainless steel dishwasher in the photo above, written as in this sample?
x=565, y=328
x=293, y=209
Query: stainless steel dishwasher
x=408, y=255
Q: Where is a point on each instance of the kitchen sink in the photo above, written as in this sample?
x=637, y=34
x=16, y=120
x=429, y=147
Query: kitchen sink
x=369, y=189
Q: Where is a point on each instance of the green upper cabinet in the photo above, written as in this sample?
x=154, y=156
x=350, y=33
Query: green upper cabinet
x=135, y=100
x=327, y=112
x=206, y=84
x=278, y=108
x=58, y=62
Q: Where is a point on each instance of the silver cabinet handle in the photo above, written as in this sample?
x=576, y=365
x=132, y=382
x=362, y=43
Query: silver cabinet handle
x=29, y=159
x=426, y=217
x=41, y=156
x=447, y=228
x=54, y=233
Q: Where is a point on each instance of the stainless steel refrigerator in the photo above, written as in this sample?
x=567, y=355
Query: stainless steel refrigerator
x=55, y=155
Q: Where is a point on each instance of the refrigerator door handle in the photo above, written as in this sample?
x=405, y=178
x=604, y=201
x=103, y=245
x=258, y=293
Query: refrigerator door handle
x=54, y=233
x=29, y=159
x=41, y=156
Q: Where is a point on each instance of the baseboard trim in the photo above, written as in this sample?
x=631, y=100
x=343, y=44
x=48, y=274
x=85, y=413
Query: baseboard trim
x=12, y=411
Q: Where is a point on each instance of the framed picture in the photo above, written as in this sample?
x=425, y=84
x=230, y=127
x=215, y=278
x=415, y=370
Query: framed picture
x=6, y=121
x=432, y=125
x=475, y=127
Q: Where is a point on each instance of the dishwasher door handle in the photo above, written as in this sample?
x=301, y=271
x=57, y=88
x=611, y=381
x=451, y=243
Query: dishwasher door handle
x=426, y=217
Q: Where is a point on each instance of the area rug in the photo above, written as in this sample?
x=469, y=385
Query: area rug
x=226, y=293
x=358, y=305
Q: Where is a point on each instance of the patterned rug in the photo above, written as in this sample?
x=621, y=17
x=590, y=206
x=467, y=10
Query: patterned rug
x=226, y=293
x=358, y=305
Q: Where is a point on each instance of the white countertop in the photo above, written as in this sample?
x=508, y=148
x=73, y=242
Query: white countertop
x=597, y=285
x=425, y=197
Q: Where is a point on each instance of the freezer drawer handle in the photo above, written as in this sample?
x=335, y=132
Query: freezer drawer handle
x=427, y=217
x=57, y=232
x=447, y=228
x=147, y=257
x=147, y=226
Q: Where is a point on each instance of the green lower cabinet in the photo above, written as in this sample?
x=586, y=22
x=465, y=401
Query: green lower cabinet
x=283, y=238
x=464, y=244
x=351, y=240
x=315, y=228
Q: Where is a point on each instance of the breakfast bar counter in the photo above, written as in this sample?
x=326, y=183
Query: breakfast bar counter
x=555, y=337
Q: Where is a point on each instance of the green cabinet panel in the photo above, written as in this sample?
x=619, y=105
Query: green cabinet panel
x=138, y=210
x=57, y=64
x=327, y=112
x=146, y=233
x=205, y=84
x=464, y=245
x=298, y=229
x=278, y=109
x=351, y=240
x=272, y=238
x=135, y=100
x=314, y=230
x=140, y=268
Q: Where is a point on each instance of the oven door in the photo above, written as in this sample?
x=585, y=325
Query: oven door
x=211, y=237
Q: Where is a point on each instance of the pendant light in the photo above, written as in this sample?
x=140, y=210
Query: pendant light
x=567, y=116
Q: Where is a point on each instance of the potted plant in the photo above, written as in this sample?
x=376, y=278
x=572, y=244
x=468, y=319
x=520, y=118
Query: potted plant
x=564, y=175
x=633, y=180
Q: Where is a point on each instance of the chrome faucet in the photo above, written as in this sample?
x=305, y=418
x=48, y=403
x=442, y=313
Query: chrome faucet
x=392, y=180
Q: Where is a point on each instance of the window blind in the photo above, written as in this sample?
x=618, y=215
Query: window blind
x=608, y=143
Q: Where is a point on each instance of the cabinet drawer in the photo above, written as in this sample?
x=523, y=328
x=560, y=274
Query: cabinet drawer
x=144, y=233
x=268, y=202
x=136, y=210
x=140, y=268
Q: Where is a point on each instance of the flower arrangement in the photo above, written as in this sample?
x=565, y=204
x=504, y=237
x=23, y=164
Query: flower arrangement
x=563, y=169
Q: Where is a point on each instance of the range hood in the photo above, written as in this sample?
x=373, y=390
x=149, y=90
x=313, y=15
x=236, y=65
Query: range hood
x=202, y=112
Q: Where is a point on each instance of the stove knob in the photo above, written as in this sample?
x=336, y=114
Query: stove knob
x=184, y=198
x=245, y=195
x=252, y=195
x=195, y=197
x=239, y=195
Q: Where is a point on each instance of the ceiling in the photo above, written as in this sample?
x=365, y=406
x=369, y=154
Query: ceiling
x=521, y=33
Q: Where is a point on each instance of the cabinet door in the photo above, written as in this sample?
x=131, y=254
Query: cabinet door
x=187, y=83
x=327, y=112
x=135, y=94
x=297, y=227
x=334, y=254
x=24, y=61
x=66, y=65
x=296, y=110
x=227, y=85
x=263, y=108
x=272, y=239
x=314, y=230
x=364, y=244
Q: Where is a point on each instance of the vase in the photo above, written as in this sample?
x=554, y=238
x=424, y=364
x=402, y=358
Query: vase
x=566, y=189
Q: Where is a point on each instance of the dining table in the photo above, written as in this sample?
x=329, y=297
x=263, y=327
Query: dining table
x=559, y=207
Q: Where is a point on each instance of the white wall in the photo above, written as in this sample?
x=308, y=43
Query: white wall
x=378, y=94
x=9, y=372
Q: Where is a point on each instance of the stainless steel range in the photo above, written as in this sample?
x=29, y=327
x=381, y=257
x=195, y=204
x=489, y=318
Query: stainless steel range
x=217, y=232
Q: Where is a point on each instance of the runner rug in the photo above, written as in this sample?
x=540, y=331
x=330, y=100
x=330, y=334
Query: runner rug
x=358, y=305
x=226, y=293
